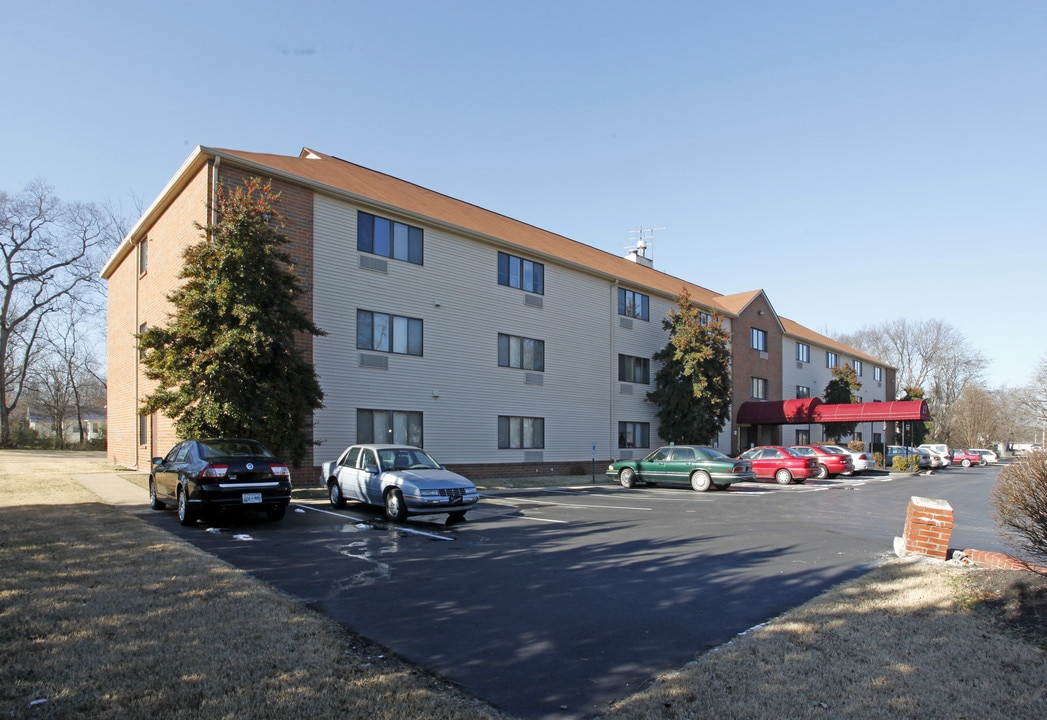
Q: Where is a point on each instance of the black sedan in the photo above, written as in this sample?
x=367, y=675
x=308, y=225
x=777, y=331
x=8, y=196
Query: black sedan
x=208, y=476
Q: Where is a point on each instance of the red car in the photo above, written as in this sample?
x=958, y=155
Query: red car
x=784, y=464
x=965, y=458
x=830, y=462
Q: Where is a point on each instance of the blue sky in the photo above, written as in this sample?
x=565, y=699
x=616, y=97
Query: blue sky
x=859, y=161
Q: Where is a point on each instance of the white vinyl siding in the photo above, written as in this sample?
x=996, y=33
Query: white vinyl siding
x=457, y=384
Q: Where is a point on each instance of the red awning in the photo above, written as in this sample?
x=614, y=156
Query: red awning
x=813, y=410
x=872, y=412
x=778, y=412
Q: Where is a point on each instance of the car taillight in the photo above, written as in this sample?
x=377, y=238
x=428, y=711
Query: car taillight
x=281, y=470
x=215, y=471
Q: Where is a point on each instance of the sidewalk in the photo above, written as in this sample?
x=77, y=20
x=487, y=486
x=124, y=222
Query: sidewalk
x=113, y=489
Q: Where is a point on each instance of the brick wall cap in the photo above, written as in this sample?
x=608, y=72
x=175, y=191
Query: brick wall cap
x=930, y=503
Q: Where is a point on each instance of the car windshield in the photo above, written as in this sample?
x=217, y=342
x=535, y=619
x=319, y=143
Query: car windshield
x=233, y=448
x=802, y=451
x=406, y=459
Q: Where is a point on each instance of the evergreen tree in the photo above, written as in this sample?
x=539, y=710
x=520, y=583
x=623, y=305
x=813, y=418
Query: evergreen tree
x=693, y=386
x=841, y=391
x=227, y=363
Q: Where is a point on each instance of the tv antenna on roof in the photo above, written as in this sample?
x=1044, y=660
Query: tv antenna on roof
x=644, y=239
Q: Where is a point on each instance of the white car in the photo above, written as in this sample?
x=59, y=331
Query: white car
x=988, y=456
x=405, y=480
x=939, y=449
x=859, y=458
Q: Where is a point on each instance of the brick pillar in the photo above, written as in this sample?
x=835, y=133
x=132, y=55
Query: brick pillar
x=928, y=527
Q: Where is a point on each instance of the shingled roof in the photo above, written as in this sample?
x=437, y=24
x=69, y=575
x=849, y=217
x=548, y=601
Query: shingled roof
x=340, y=178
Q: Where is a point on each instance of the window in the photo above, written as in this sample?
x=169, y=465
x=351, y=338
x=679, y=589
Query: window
x=802, y=391
x=143, y=429
x=143, y=256
x=704, y=318
x=520, y=352
x=877, y=373
x=759, y=339
x=858, y=368
x=803, y=437
x=634, y=435
x=389, y=426
x=526, y=433
x=831, y=360
x=391, y=239
x=521, y=274
x=634, y=370
x=388, y=333
x=633, y=304
x=803, y=352
x=141, y=350
x=759, y=388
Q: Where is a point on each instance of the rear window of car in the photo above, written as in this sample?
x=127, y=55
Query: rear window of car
x=232, y=448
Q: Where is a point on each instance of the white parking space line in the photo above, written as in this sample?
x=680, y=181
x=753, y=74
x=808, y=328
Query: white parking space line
x=573, y=505
x=399, y=528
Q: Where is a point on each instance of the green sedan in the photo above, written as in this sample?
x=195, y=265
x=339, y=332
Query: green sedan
x=701, y=467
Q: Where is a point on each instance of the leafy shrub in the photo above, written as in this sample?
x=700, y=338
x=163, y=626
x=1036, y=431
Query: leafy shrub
x=1019, y=499
x=856, y=445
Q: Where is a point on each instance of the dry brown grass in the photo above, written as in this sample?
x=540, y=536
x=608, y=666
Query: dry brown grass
x=103, y=616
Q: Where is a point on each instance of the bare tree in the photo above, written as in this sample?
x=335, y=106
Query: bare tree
x=66, y=379
x=929, y=354
x=50, y=252
x=978, y=419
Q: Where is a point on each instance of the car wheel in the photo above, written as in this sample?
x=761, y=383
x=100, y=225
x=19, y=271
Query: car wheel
x=783, y=477
x=276, y=513
x=334, y=494
x=966, y=462
x=154, y=502
x=823, y=472
x=627, y=477
x=395, y=508
x=700, y=481
x=983, y=463
x=186, y=516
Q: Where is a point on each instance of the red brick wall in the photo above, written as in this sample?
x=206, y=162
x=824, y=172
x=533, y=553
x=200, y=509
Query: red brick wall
x=747, y=363
x=928, y=528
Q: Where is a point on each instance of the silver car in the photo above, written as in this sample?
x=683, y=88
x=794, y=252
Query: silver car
x=404, y=480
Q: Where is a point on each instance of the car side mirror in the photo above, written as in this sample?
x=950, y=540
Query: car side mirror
x=371, y=469
x=158, y=461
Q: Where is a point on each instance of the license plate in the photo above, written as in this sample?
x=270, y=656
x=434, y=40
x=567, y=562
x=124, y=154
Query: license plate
x=250, y=498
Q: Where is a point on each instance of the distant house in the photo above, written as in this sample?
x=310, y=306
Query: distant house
x=94, y=421
x=499, y=346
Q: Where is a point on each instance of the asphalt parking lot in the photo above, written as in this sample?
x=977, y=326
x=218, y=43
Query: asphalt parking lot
x=551, y=602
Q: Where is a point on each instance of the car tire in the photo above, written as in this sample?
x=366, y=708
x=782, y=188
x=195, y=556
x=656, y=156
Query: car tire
x=154, y=502
x=783, y=476
x=966, y=462
x=700, y=481
x=186, y=516
x=627, y=477
x=275, y=514
x=395, y=507
x=823, y=472
x=334, y=494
